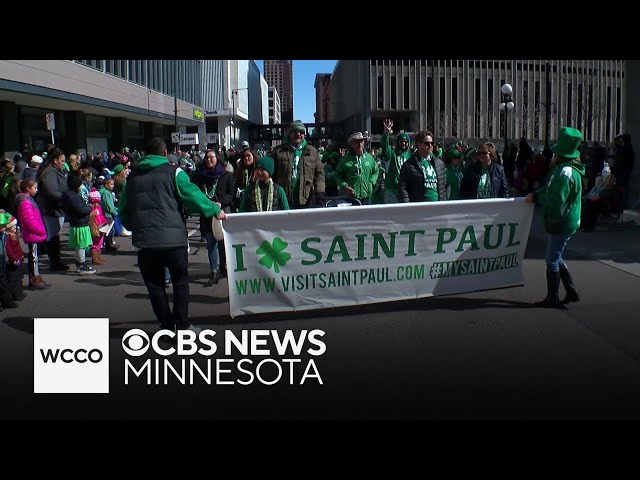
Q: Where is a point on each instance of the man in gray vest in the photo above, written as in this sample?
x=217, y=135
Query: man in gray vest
x=151, y=206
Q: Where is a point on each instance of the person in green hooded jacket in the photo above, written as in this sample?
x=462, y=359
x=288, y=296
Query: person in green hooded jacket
x=454, y=172
x=561, y=201
x=150, y=206
x=395, y=159
x=357, y=172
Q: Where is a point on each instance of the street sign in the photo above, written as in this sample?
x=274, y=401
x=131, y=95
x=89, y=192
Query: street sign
x=175, y=137
x=189, y=139
x=51, y=121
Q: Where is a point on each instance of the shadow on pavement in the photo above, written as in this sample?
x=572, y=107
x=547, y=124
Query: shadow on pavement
x=192, y=298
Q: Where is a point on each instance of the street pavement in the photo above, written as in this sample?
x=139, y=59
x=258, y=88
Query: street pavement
x=485, y=355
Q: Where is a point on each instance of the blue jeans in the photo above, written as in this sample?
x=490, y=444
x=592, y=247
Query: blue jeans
x=212, y=249
x=117, y=227
x=556, y=243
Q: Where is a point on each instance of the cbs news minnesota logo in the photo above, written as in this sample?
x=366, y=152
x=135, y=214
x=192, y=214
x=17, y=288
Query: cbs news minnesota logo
x=71, y=355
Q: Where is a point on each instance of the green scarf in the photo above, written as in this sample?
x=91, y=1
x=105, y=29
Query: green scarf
x=296, y=157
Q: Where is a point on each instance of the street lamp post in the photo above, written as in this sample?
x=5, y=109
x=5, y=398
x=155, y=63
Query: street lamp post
x=175, y=101
x=507, y=105
x=233, y=112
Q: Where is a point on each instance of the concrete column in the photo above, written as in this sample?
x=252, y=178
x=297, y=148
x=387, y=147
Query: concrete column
x=9, y=130
x=75, y=138
x=632, y=122
x=119, y=137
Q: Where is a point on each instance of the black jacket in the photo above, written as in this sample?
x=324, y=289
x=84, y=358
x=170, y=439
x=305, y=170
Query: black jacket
x=411, y=180
x=75, y=209
x=224, y=194
x=471, y=179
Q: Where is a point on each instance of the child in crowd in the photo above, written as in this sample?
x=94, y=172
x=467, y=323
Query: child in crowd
x=78, y=213
x=110, y=211
x=33, y=230
x=96, y=221
x=11, y=258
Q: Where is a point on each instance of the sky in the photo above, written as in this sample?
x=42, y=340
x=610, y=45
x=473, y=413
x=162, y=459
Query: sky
x=304, y=93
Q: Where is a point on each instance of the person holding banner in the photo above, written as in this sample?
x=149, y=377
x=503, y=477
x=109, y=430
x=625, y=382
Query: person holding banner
x=485, y=178
x=423, y=177
x=151, y=206
x=357, y=172
x=561, y=201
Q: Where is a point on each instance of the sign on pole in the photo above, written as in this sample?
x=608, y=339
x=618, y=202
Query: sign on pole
x=51, y=124
x=189, y=139
x=175, y=137
x=51, y=121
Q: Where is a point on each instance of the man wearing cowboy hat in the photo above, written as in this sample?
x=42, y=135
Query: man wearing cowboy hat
x=357, y=172
x=298, y=168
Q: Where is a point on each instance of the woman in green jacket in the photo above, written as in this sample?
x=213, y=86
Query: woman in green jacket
x=561, y=200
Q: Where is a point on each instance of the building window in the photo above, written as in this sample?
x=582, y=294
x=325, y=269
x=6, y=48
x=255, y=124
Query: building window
x=519, y=66
x=536, y=122
x=569, y=103
x=430, y=101
x=394, y=93
x=380, y=91
x=490, y=107
x=618, y=109
x=525, y=109
x=423, y=63
x=477, y=64
x=484, y=64
x=470, y=64
x=502, y=65
x=477, y=112
x=608, y=135
x=581, y=108
x=406, y=93
x=454, y=107
x=590, y=113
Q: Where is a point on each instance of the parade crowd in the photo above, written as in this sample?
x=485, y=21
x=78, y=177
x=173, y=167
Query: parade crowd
x=149, y=195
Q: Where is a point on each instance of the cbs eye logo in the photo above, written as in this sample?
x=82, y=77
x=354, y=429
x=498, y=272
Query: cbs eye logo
x=135, y=342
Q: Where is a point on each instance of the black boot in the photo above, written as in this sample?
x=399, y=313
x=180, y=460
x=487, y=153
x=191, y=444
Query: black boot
x=53, y=247
x=567, y=281
x=214, y=278
x=6, y=300
x=553, y=285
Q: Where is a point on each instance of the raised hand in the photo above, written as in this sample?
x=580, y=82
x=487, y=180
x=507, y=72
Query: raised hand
x=388, y=125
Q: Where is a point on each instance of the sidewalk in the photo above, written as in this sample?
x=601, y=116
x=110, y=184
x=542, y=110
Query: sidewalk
x=617, y=245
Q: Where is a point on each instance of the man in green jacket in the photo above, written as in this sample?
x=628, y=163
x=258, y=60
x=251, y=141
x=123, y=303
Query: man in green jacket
x=561, y=201
x=357, y=172
x=151, y=206
x=395, y=159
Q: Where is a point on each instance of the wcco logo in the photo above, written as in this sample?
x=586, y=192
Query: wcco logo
x=68, y=356
x=71, y=355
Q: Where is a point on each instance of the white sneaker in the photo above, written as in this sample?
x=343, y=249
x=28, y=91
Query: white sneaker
x=125, y=232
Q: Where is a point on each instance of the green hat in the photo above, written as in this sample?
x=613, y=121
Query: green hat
x=297, y=126
x=403, y=136
x=118, y=169
x=569, y=140
x=266, y=163
x=7, y=220
x=454, y=153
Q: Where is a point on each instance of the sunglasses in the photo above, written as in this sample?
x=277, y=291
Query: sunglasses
x=428, y=143
x=483, y=152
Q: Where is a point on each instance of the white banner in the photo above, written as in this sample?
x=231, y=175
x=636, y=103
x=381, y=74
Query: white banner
x=333, y=257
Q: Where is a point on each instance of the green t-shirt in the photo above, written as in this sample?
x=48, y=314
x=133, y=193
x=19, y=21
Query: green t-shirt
x=454, y=179
x=484, y=185
x=430, y=181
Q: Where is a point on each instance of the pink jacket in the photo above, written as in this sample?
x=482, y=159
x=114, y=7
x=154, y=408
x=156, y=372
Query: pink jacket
x=31, y=225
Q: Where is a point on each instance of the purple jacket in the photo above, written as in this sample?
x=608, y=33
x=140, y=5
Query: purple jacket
x=31, y=225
